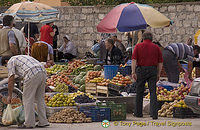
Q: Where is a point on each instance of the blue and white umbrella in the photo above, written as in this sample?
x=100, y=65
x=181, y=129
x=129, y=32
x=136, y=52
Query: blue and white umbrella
x=32, y=12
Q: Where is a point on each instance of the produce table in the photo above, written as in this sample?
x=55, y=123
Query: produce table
x=130, y=101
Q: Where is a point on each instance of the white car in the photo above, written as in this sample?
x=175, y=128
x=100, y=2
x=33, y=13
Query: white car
x=193, y=98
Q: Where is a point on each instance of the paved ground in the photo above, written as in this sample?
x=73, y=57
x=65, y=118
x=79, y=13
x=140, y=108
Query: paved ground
x=123, y=125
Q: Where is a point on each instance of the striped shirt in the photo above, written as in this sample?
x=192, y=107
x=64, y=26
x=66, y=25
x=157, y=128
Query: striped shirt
x=24, y=66
x=182, y=51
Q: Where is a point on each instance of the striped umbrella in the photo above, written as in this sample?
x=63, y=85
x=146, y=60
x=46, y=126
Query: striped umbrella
x=32, y=12
x=132, y=16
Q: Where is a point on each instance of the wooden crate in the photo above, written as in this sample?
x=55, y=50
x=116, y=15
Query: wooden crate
x=91, y=88
x=102, y=89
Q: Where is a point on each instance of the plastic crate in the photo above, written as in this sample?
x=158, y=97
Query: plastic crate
x=97, y=114
x=125, y=70
x=129, y=62
x=179, y=112
x=110, y=71
x=185, y=66
x=118, y=110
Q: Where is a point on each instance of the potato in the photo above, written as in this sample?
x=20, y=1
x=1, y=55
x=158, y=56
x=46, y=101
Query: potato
x=169, y=116
x=163, y=115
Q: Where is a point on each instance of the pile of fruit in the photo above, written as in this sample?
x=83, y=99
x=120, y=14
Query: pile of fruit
x=61, y=87
x=83, y=98
x=55, y=69
x=73, y=65
x=15, y=102
x=175, y=94
x=47, y=98
x=61, y=82
x=103, y=82
x=180, y=104
x=167, y=109
x=74, y=95
x=96, y=80
x=91, y=75
x=120, y=80
x=69, y=115
x=60, y=100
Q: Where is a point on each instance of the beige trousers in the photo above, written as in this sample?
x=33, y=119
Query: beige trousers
x=34, y=90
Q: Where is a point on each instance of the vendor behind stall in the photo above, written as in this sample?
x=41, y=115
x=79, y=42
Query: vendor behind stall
x=68, y=50
x=114, y=55
x=174, y=52
x=118, y=43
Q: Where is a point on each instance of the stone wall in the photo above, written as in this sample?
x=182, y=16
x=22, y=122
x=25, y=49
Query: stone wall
x=80, y=23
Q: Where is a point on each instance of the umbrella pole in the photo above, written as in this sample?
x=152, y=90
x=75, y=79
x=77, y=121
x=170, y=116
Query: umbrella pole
x=28, y=38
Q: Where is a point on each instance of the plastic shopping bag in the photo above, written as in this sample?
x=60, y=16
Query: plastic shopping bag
x=21, y=117
x=8, y=117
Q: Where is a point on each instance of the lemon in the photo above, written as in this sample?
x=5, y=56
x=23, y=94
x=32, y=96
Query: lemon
x=54, y=99
x=184, y=106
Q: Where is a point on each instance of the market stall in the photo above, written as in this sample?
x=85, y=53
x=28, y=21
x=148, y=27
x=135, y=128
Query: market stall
x=77, y=92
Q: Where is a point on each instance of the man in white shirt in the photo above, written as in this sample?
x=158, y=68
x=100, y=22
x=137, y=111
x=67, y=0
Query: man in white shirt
x=68, y=50
x=33, y=74
x=21, y=39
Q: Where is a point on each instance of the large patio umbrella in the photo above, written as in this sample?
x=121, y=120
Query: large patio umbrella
x=32, y=12
x=130, y=17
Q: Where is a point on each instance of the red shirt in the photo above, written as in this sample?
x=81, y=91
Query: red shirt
x=147, y=54
x=45, y=34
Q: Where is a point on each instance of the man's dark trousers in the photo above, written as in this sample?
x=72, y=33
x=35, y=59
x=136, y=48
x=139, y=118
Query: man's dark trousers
x=146, y=74
x=171, y=66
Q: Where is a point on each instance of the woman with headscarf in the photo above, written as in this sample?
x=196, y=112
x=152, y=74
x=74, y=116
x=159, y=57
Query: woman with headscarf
x=68, y=50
